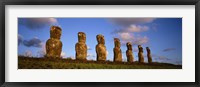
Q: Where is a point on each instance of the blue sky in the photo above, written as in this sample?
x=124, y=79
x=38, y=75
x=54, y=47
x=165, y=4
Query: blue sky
x=162, y=35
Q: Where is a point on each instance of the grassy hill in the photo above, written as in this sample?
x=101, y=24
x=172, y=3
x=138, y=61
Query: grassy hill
x=47, y=63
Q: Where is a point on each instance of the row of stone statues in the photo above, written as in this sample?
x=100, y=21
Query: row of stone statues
x=54, y=48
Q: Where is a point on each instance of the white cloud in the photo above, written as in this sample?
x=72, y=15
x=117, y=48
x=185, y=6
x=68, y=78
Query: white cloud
x=140, y=40
x=90, y=55
x=28, y=53
x=137, y=28
x=135, y=40
x=107, y=52
x=20, y=39
x=131, y=29
x=88, y=48
x=63, y=54
x=126, y=36
x=130, y=26
x=42, y=51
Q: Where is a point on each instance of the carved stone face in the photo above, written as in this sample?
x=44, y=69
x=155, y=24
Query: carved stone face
x=148, y=50
x=129, y=45
x=117, y=42
x=55, y=32
x=140, y=48
x=81, y=37
x=100, y=39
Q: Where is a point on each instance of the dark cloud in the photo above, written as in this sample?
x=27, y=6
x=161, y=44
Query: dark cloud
x=20, y=39
x=34, y=42
x=168, y=49
x=37, y=23
x=129, y=21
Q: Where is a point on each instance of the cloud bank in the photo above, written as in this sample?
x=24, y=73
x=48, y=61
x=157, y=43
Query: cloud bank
x=37, y=23
x=34, y=42
x=135, y=40
x=131, y=29
x=128, y=27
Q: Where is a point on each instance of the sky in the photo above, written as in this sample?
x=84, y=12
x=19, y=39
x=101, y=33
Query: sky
x=162, y=35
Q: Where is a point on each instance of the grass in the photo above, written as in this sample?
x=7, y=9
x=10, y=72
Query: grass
x=51, y=63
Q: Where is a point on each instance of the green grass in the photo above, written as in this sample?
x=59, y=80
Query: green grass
x=50, y=63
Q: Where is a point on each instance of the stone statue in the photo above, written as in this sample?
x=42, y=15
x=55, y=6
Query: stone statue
x=140, y=54
x=54, y=45
x=101, y=48
x=129, y=52
x=149, y=55
x=81, y=47
x=117, y=50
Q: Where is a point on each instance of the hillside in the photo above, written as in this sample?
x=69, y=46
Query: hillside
x=45, y=63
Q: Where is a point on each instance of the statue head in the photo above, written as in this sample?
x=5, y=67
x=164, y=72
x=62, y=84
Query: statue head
x=81, y=37
x=140, y=48
x=55, y=32
x=117, y=42
x=148, y=50
x=100, y=39
x=129, y=45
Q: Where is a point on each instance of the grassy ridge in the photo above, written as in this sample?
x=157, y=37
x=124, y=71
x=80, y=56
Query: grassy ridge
x=46, y=63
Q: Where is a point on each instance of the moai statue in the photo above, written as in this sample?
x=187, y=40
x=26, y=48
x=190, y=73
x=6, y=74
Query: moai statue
x=140, y=54
x=54, y=45
x=129, y=52
x=149, y=55
x=101, y=48
x=81, y=47
x=117, y=51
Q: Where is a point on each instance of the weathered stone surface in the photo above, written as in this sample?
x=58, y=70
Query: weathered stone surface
x=55, y=32
x=149, y=55
x=129, y=52
x=81, y=47
x=101, y=48
x=117, y=50
x=54, y=45
x=53, y=48
x=140, y=54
